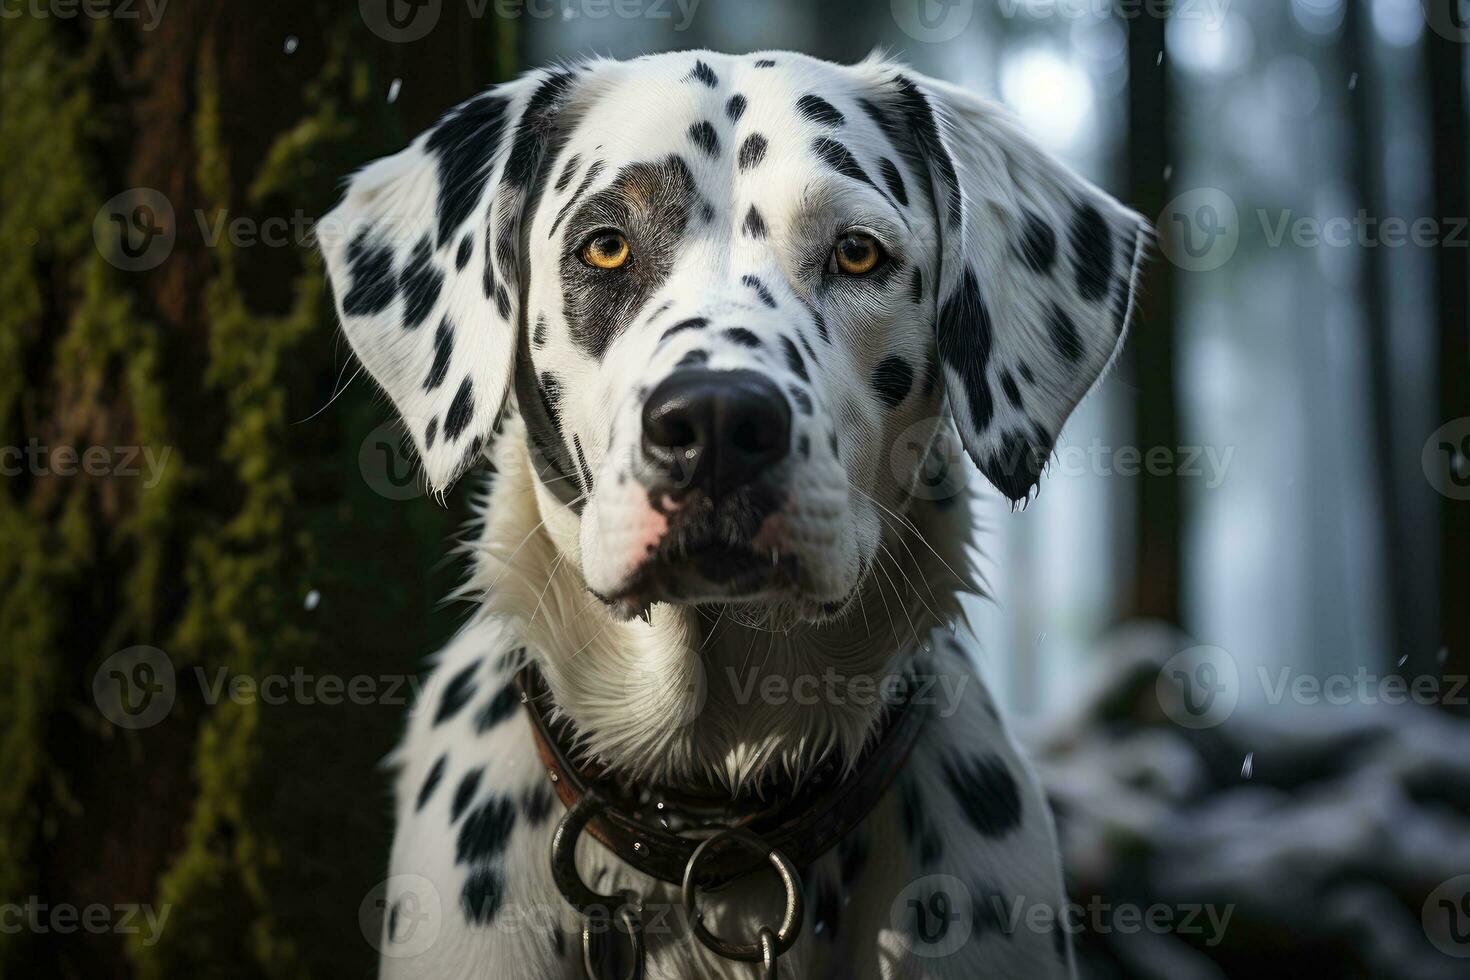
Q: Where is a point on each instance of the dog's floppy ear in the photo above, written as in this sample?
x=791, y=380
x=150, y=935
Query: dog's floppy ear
x=1036, y=281
x=423, y=257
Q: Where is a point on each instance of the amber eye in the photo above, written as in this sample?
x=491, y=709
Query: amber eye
x=855, y=254
x=606, y=250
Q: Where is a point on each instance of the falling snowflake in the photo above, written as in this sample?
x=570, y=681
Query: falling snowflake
x=393, y=88
x=313, y=598
x=291, y=44
x=1169, y=172
x=1353, y=82
x=1403, y=660
x=1248, y=767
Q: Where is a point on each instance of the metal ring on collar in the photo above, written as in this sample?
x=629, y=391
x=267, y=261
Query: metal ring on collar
x=790, y=928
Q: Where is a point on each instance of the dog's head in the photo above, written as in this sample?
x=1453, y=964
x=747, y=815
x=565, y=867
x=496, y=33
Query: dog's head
x=717, y=289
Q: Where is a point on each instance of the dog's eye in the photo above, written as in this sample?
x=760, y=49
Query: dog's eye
x=855, y=254
x=606, y=249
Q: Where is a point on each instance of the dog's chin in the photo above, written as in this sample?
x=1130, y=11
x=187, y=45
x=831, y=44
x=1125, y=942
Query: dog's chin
x=722, y=574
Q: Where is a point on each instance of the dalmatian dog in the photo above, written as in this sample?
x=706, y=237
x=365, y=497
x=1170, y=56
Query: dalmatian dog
x=718, y=327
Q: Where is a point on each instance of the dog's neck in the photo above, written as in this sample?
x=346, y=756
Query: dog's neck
x=696, y=696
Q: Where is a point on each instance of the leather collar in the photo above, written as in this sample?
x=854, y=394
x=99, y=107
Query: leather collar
x=657, y=828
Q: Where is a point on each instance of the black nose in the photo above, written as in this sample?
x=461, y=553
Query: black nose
x=715, y=430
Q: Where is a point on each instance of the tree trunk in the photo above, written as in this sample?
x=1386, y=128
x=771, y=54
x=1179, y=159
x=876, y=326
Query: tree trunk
x=1446, y=64
x=1157, y=562
x=220, y=522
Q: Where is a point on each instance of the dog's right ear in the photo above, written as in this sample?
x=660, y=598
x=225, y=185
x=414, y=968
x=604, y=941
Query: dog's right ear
x=423, y=257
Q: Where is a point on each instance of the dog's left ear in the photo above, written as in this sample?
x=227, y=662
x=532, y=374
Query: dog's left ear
x=1036, y=285
x=423, y=257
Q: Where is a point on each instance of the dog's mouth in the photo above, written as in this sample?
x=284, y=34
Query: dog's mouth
x=725, y=551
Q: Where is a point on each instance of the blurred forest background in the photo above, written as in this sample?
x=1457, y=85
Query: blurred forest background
x=1321, y=390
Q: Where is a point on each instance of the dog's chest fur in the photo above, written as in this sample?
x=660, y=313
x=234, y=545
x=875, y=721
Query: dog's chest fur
x=470, y=892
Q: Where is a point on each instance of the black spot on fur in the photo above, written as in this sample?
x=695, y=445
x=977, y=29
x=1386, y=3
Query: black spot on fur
x=431, y=781
x=806, y=345
x=885, y=121
x=804, y=446
x=765, y=63
x=464, y=142
x=538, y=335
x=587, y=180
x=483, y=892
x=819, y=110
x=497, y=709
x=703, y=135
x=373, y=284
x=892, y=380
x=760, y=290
x=502, y=302
x=465, y=793
x=466, y=249
x=925, y=132
x=986, y=792
x=755, y=225
x=1015, y=467
x=704, y=74
x=420, y=282
x=693, y=323
x=924, y=843
x=486, y=831
x=916, y=287
x=1026, y=374
x=532, y=132
x=567, y=171
x=802, y=399
x=536, y=804
x=821, y=325
x=752, y=151
x=1038, y=244
x=964, y=338
x=1092, y=252
x=430, y=432
x=582, y=466
x=793, y=359
x=735, y=108
x=894, y=180
x=693, y=358
x=1013, y=393
x=550, y=388
x=1064, y=336
x=743, y=337
x=460, y=410
x=443, y=347
x=558, y=941
x=457, y=693
x=840, y=159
